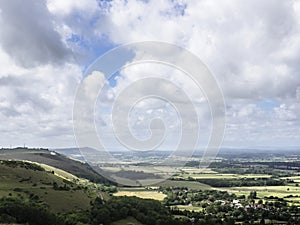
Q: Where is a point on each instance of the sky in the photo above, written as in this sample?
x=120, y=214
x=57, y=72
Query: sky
x=251, y=47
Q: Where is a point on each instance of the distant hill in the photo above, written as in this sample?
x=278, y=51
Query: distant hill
x=79, y=169
x=75, y=153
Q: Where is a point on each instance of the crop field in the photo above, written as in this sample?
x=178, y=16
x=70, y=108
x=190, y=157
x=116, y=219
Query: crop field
x=193, y=185
x=142, y=194
x=288, y=192
x=222, y=176
x=294, y=178
x=198, y=170
x=146, y=169
x=264, y=191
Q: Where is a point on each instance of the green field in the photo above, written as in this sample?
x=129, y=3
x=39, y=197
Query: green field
x=262, y=191
x=222, y=176
x=193, y=185
x=267, y=191
x=160, y=170
x=197, y=170
x=294, y=178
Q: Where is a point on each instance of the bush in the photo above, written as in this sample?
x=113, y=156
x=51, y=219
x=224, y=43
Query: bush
x=18, y=211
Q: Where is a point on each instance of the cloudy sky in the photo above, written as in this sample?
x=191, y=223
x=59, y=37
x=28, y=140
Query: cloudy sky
x=252, y=48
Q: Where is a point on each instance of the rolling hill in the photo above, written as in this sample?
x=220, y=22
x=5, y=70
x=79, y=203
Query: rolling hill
x=57, y=160
x=30, y=181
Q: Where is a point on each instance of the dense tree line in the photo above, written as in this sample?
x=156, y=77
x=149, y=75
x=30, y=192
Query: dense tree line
x=183, y=196
x=14, y=210
x=147, y=211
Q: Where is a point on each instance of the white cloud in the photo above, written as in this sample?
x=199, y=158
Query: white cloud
x=27, y=34
x=252, y=47
x=36, y=103
x=68, y=6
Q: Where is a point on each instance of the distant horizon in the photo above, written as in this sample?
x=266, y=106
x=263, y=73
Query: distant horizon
x=270, y=148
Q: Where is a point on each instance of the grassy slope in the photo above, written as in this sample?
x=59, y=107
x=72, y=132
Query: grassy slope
x=58, y=161
x=26, y=183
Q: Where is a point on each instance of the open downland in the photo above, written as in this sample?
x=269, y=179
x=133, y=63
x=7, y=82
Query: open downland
x=56, y=160
x=39, y=185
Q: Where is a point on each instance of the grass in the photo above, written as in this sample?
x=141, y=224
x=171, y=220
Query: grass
x=152, y=169
x=58, y=172
x=198, y=170
x=262, y=191
x=265, y=191
x=137, y=183
x=57, y=161
x=26, y=183
x=67, y=176
x=142, y=194
x=153, y=174
x=193, y=185
x=223, y=176
x=160, y=170
x=293, y=200
x=294, y=178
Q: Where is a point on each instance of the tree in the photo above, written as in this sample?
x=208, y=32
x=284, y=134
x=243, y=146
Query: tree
x=252, y=195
